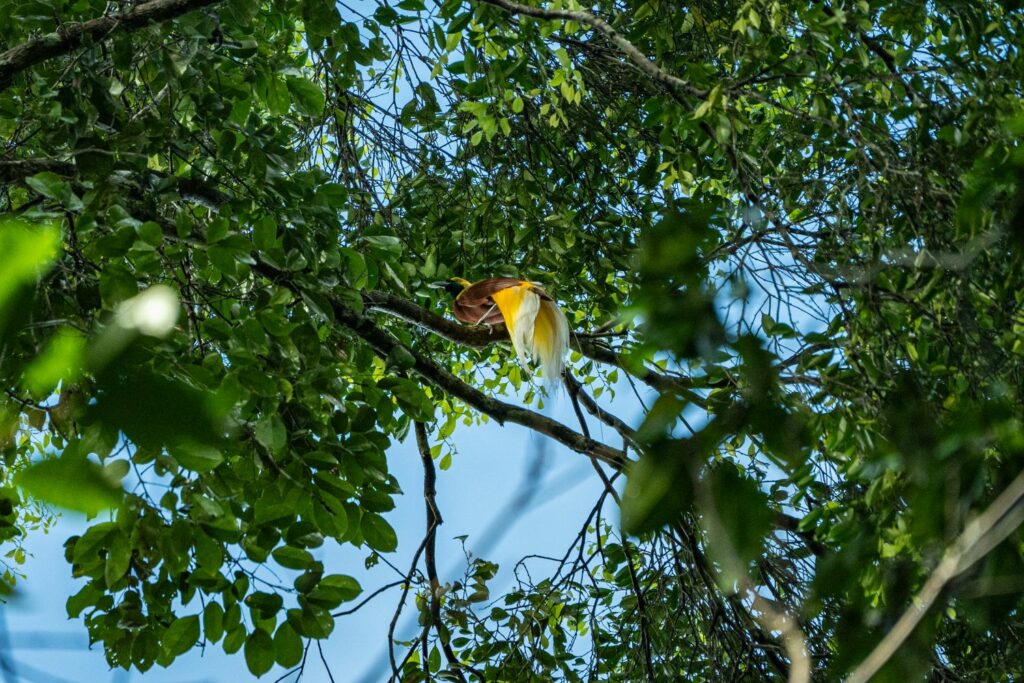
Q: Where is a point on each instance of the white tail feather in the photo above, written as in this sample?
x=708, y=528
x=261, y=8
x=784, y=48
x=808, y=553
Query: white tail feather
x=552, y=357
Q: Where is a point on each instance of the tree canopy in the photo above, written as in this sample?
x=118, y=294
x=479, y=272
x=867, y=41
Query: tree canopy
x=800, y=222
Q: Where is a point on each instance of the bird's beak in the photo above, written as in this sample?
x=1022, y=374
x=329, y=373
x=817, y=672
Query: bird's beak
x=440, y=284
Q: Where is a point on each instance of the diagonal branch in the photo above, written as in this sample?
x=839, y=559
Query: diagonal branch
x=503, y=412
x=72, y=36
x=385, y=344
x=577, y=394
x=632, y=53
x=981, y=535
x=482, y=336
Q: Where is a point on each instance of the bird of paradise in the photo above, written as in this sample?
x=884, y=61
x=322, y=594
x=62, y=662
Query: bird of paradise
x=535, y=323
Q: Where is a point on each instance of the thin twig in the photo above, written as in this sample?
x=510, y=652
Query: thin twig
x=327, y=668
x=429, y=557
x=368, y=598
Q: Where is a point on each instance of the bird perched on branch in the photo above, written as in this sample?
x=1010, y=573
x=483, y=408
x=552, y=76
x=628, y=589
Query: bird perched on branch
x=534, y=321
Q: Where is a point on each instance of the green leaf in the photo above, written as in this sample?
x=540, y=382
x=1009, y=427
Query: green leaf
x=61, y=360
x=259, y=652
x=388, y=243
x=264, y=233
x=117, y=285
x=271, y=433
x=335, y=195
x=52, y=186
x=119, y=555
x=223, y=258
x=209, y=553
x=88, y=596
x=266, y=603
x=277, y=97
x=293, y=558
x=335, y=589
x=47, y=184
x=661, y=417
x=234, y=640
x=197, y=457
x=181, y=635
x=117, y=470
x=88, y=545
x=737, y=518
x=311, y=621
x=378, y=533
x=26, y=252
x=308, y=95
x=213, y=621
x=658, y=488
x=287, y=646
x=154, y=411
x=356, y=273
x=320, y=18
x=71, y=482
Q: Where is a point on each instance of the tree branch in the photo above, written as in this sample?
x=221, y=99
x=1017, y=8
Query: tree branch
x=13, y=170
x=71, y=36
x=192, y=190
x=632, y=53
x=579, y=396
x=979, y=537
x=503, y=412
x=434, y=521
x=384, y=344
x=481, y=335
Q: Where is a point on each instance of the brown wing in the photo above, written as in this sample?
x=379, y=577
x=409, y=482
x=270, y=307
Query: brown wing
x=474, y=305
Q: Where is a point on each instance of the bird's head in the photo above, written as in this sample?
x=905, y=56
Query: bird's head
x=453, y=286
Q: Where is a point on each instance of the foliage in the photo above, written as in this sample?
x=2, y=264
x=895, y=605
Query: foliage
x=799, y=222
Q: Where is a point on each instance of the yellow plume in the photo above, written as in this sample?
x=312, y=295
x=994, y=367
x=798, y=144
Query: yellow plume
x=537, y=328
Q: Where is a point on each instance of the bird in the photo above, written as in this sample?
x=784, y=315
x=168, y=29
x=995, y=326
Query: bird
x=535, y=323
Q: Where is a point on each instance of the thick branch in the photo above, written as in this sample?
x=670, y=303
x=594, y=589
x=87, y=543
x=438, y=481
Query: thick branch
x=72, y=36
x=13, y=170
x=482, y=336
x=478, y=336
x=632, y=53
x=192, y=190
x=384, y=343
